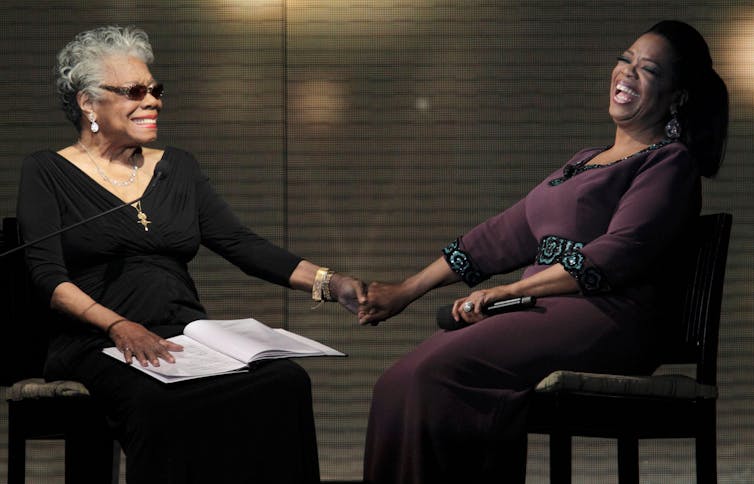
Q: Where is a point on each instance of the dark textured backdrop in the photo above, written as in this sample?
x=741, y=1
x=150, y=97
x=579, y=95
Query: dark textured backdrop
x=365, y=135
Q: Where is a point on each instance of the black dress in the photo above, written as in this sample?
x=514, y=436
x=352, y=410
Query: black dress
x=252, y=427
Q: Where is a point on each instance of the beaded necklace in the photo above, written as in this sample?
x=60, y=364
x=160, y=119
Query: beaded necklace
x=571, y=170
x=117, y=183
x=143, y=220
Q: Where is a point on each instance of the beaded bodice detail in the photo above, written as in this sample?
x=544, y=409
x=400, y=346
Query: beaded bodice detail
x=569, y=171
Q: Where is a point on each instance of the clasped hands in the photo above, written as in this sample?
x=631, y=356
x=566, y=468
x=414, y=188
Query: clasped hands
x=372, y=304
x=385, y=300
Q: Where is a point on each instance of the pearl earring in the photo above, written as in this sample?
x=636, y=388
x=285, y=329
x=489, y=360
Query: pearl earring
x=93, y=126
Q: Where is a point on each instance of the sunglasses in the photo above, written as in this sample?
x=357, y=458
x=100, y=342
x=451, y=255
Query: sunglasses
x=137, y=92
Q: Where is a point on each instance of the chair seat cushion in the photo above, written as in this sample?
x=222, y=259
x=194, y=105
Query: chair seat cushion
x=662, y=386
x=35, y=388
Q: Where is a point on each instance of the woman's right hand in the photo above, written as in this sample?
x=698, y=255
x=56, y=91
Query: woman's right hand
x=348, y=291
x=136, y=341
x=384, y=300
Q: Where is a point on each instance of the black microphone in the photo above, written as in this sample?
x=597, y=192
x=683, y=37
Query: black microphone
x=445, y=316
x=158, y=175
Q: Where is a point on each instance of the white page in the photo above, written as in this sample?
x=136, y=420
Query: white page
x=196, y=360
x=324, y=349
x=248, y=339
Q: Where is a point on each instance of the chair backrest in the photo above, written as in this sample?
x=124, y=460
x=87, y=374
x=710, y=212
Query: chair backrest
x=695, y=338
x=23, y=345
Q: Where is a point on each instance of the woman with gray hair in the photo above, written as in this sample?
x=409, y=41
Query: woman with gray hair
x=123, y=280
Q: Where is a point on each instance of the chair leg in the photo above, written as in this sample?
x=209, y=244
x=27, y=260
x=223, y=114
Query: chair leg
x=16, y=451
x=116, y=463
x=706, y=449
x=706, y=461
x=16, y=460
x=89, y=456
x=560, y=458
x=628, y=460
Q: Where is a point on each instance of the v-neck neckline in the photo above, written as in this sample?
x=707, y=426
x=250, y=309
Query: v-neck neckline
x=117, y=198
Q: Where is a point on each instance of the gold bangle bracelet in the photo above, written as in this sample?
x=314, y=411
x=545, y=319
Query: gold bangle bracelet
x=321, y=286
x=326, y=295
x=319, y=278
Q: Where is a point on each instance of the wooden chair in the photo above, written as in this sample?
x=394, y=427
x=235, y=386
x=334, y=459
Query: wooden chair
x=38, y=409
x=626, y=408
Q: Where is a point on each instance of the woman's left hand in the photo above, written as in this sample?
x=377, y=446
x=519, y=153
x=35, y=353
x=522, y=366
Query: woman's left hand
x=349, y=292
x=471, y=307
x=138, y=343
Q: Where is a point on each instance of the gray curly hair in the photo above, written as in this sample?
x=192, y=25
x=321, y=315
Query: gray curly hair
x=80, y=63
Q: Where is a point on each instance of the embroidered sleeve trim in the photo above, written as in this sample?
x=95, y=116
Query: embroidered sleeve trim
x=558, y=250
x=460, y=262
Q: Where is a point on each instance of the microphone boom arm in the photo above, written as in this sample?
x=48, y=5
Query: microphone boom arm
x=69, y=227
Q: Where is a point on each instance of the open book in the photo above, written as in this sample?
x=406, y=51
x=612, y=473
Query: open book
x=215, y=347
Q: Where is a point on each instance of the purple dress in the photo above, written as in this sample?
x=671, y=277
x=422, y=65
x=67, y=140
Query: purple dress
x=454, y=409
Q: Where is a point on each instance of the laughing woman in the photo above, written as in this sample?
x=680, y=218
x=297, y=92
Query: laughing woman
x=122, y=280
x=597, y=241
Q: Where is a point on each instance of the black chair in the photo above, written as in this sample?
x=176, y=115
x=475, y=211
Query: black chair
x=38, y=409
x=627, y=408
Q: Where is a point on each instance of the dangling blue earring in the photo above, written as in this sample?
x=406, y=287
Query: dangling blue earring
x=673, y=128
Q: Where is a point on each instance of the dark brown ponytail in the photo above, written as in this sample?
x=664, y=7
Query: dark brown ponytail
x=704, y=114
